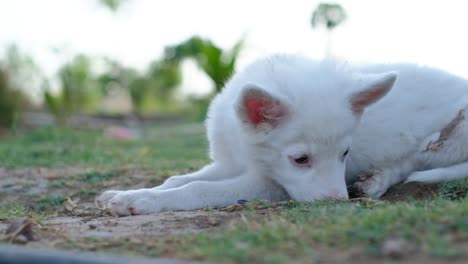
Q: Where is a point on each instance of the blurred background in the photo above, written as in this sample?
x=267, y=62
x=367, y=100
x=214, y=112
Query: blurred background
x=120, y=64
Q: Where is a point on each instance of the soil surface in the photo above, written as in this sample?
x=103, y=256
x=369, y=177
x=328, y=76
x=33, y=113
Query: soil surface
x=76, y=220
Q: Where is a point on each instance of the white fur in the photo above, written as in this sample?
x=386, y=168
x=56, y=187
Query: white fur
x=318, y=109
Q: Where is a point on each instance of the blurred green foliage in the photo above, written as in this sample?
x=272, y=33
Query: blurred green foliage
x=12, y=101
x=79, y=86
x=150, y=91
x=328, y=15
x=18, y=73
x=156, y=87
x=78, y=90
x=113, y=5
x=218, y=64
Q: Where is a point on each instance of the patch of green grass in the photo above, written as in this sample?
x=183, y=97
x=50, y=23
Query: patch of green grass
x=49, y=202
x=28, y=184
x=12, y=211
x=8, y=185
x=319, y=232
x=160, y=148
x=96, y=177
x=87, y=192
x=454, y=189
x=56, y=184
x=303, y=231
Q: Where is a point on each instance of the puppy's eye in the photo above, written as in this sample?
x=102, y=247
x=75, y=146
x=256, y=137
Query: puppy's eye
x=300, y=160
x=345, y=154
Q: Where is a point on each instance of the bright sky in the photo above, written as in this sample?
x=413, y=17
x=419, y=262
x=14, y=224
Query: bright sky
x=426, y=32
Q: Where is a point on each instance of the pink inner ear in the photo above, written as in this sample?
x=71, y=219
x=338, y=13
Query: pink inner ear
x=255, y=109
x=363, y=99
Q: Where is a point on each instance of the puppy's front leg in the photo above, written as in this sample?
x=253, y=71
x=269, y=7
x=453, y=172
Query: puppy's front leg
x=194, y=195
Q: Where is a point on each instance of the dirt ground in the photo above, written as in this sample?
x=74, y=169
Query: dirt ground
x=76, y=221
x=85, y=220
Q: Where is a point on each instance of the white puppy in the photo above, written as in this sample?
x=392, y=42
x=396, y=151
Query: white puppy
x=286, y=127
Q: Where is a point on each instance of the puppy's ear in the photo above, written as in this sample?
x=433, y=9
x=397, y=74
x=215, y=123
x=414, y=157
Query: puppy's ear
x=259, y=108
x=375, y=87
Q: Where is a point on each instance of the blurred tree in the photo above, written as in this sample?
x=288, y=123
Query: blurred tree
x=12, y=100
x=150, y=90
x=22, y=69
x=114, y=74
x=79, y=86
x=113, y=5
x=18, y=74
x=330, y=16
x=78, y=89
x=217, y=63
x=165, y=76
x=139, y=89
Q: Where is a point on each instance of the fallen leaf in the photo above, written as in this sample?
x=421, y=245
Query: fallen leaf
x=69, y=205
x=20, y=231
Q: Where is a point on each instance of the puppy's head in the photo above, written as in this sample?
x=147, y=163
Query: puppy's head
x=299, y=126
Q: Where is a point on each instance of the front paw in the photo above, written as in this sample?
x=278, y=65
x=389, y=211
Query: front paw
x=102, y=200
x=124, y=203
x=370, y=184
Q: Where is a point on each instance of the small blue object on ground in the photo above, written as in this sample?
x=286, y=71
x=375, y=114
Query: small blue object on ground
x=241, y=202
